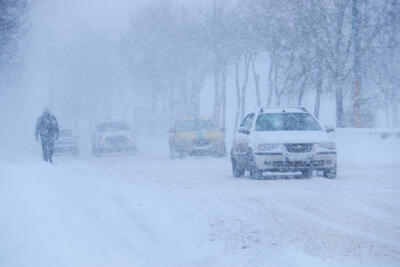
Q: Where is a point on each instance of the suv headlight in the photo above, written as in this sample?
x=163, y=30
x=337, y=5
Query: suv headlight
x=267, y=147
x=329, y=146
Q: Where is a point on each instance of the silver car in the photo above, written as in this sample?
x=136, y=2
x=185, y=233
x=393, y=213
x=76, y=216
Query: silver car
x=113, y=137
x=67, y=143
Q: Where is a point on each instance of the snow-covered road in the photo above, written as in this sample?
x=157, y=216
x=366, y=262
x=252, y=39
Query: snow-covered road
x=148, y=210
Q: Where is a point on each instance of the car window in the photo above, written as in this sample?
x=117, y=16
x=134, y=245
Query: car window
x=197, y=125
x=248, y=121
x=287, y=122
x=113, y=126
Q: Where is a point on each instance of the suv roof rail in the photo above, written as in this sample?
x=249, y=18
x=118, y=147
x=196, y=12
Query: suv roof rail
x=261, y=110
x=298, y=107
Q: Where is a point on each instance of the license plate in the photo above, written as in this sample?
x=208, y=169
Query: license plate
x=299, y=158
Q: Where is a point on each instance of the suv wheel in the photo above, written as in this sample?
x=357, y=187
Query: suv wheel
x=330, y=173
x=307, y=173
x=254, y=171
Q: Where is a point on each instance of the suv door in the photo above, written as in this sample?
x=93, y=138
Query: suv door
x=242, y=137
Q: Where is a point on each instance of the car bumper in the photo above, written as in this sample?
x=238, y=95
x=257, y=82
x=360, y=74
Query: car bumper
x=295, y=161
x=66, y=149
x=218, y=148
x=289, y=162
x=116, y=148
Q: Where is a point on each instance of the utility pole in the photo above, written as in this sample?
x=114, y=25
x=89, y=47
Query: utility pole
x=393, y=40
x=357, y=64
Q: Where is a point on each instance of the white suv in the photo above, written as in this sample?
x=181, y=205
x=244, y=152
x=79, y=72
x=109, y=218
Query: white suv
x=113, y=137
x=282, y=140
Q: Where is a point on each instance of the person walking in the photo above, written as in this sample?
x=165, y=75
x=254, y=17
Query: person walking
x=47, y=129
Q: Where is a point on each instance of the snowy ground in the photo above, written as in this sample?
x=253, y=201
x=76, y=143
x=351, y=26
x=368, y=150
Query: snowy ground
x=148, y=210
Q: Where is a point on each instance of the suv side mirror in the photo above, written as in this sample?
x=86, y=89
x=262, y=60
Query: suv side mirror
x=244, y=131
x=223, y=130
x=172, y=131
x=329, y=129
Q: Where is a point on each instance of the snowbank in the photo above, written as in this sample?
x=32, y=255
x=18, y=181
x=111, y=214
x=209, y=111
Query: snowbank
x=367, y=145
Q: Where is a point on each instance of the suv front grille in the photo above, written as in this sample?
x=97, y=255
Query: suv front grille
x=299, y=148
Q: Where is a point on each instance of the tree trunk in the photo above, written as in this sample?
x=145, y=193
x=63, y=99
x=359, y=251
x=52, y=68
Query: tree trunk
x=394, y=39
x=278, y=100
x=256, y=81
x=275, y=83
x=195, y=101
x=270, y=82
x=318, y=92
x=303, y=87
x=300, y=98
x=217, y=106
x=237, y=83
x=302, y=91
x=247, y=59
x=339, y=106
x=185, y=99
x=223, y=96
x=386, y=109
x=395, y=112
x=357, y=64
x=317, y=102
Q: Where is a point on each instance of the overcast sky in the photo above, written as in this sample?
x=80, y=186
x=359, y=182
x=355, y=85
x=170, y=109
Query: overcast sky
x=72, y=14
x=98, y=14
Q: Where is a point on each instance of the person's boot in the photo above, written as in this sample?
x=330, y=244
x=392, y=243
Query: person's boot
x=51, y=160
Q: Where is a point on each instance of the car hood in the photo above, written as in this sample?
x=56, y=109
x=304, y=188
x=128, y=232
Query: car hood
x=199, y=135
x=284, y=137
x=67, y=139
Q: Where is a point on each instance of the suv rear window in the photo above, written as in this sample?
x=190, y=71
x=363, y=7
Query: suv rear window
x=286, y=122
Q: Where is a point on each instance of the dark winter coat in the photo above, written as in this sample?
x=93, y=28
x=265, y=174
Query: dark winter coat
x=47, y=127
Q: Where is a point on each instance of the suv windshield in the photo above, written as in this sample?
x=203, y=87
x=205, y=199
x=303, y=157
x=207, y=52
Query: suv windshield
x=286, y=122
x=113, y=126
x=197, y=125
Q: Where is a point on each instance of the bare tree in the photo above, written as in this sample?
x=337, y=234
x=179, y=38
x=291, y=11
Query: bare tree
x=13, y=15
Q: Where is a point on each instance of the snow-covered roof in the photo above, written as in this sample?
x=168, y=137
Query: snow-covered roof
x=283, y=109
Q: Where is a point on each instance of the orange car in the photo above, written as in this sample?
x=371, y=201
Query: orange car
x=196, y=137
